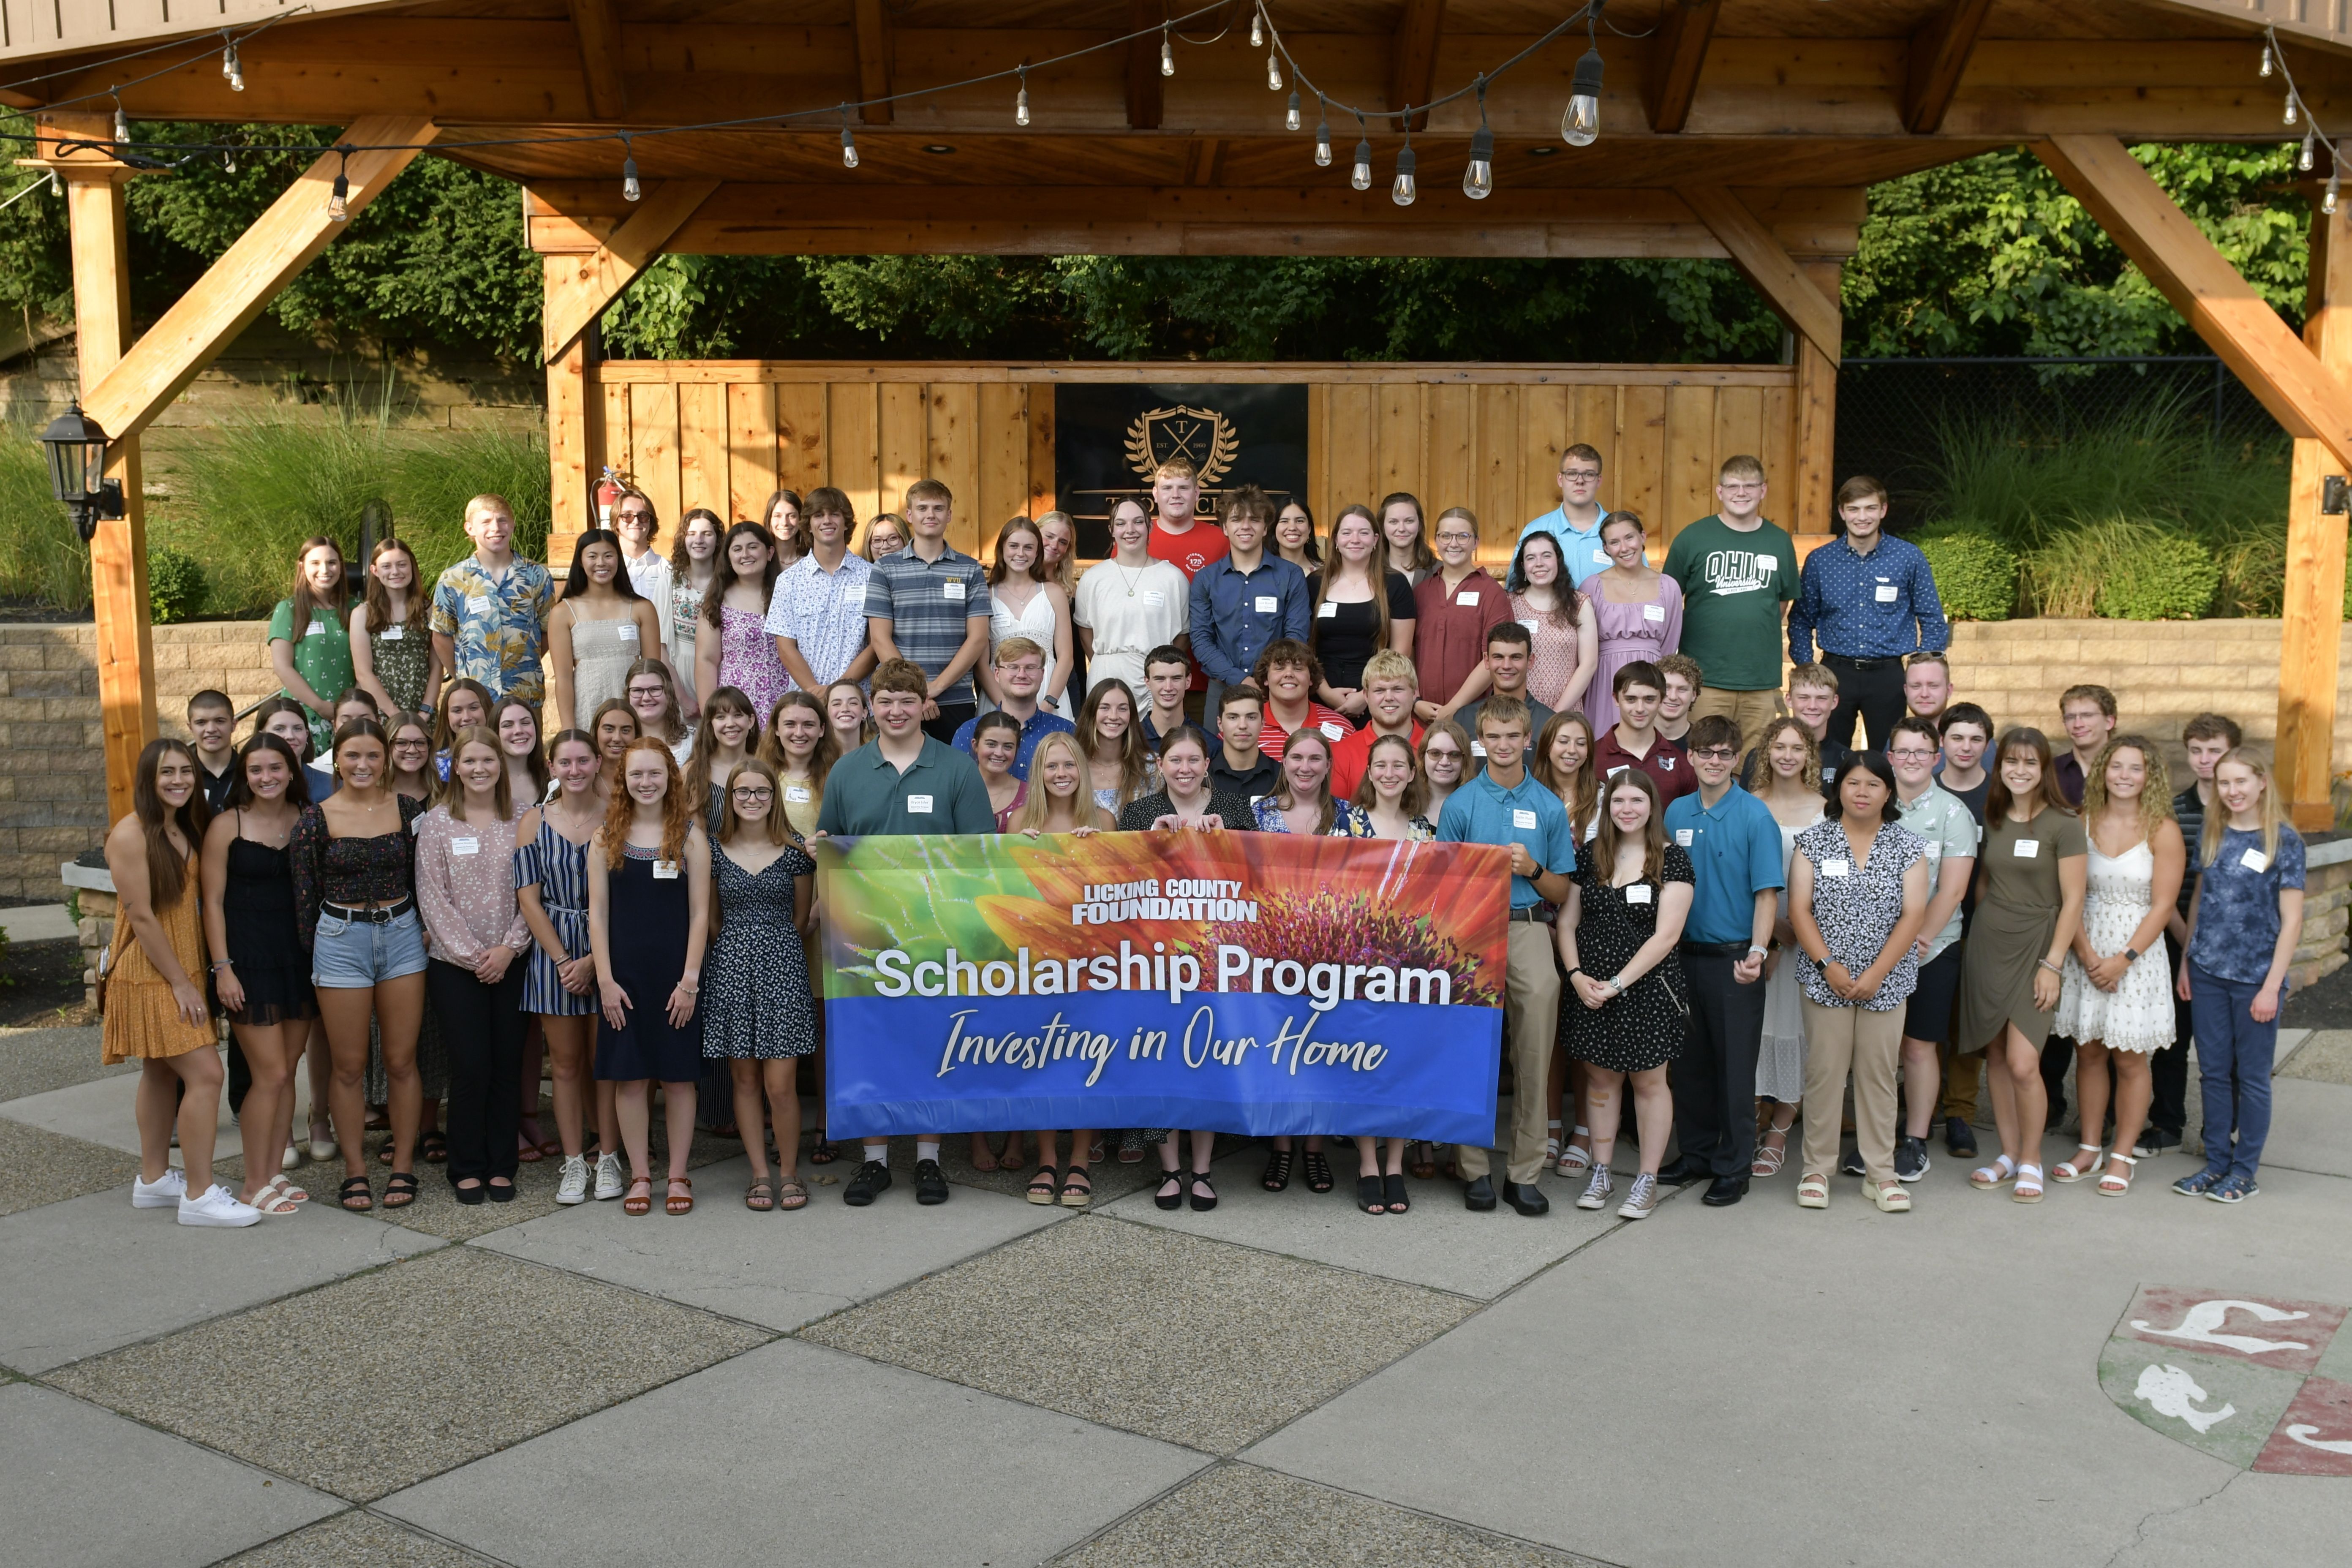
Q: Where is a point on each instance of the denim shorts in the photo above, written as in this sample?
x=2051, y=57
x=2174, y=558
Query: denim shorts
x=352, y=955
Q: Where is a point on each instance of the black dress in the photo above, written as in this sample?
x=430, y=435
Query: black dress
x=1349, y=636
x=257, y=905
x=1642, y=1028
x=755, y=983
x=647, y=918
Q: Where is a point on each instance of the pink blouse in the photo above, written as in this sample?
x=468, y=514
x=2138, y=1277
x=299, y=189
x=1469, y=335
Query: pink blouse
x=465, y=887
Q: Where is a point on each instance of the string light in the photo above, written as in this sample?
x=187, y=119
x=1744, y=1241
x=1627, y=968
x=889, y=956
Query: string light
x=1257, y=28
x=1020, y=100
x=231, y=68
x=1479, y=179
x=1167, y=50
x=2268, y=69
x=1290, y=119
x=848, y=144
x=2290, y=109
x=1405, y=190
x=1362, y=175
x=1322, y=133
x=122, y=125
x=2327, y=202
x=1273, y=72
x=2303, y=159
x=1581, y=124
x=340, y=193
x=630, y=189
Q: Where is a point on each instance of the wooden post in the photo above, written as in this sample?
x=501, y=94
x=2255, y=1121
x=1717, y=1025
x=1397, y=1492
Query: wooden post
x=1816, y=480
x=574, y=411
x=2314, y=610
x=118, y=552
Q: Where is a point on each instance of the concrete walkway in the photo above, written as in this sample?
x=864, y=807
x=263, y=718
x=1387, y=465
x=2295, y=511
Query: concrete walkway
x=1283, y=1381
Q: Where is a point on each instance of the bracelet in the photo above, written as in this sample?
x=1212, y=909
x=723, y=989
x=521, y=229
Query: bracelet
x=2051, y=967
x=1576, y=971
x=217, y=968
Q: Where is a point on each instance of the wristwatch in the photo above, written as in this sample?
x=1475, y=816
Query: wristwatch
x=2131, y=955
x=1755, y=951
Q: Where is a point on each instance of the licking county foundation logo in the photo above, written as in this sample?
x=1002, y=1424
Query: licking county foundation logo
x=2260, y=1382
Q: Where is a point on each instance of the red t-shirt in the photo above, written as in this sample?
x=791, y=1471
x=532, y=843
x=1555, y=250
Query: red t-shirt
x=1666, y=764
x=1189, y=551
x=1351, y=756
x=1273, y=739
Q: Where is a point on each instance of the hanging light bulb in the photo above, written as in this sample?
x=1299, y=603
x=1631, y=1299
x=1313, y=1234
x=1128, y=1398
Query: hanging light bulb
x=1581, y=124
x=2289, y=117
x=2269, y=70
x=1405, y=190
x=848, y=148
x=1479, y=179
x=630, y=188
x=228, y=161
x=1020, y=100
x=57, y=186
x=122, y=125
x=1322, y=133
x=2327, y=202
x=1272, y=71
x=1257, y=29
x=2303, y=159
x=1290, y=119
x=1167, y=50
x=338, y=199
x=231, y=68
x=1362, y=175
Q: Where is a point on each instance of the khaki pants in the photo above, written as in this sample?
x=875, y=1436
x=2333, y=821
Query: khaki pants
x=1961, y=1071
x=1752, y=710
x=1869, y=1045
x=1530, y=1021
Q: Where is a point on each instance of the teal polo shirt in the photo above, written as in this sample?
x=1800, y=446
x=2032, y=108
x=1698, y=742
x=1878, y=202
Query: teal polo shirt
x=942, y=791
x=1484, y=812
x=1734, y=852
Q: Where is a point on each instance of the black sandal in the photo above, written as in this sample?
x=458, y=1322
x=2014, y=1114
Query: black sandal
x=822, y=1152
x=356, y=1187
x=1393, y=1191
x=1369, y=1195
x=1319, y=1172
x=1075, y=1197
x=1204, y=1196
x=1175, y=1200
x=1277, y=1172
x=1045, y=1186
x=435, y=1148
x=400, y=1189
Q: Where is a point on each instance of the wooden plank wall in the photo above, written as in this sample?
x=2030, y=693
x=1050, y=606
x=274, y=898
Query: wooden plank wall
x=723, y=434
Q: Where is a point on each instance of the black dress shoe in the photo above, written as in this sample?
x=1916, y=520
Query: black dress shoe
x=1683, y=1170
x=930, y=1183
x=1526, y=1197
x=1725, y=1191
x=1478, y=1196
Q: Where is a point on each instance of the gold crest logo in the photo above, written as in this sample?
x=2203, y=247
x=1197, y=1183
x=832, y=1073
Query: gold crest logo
x=1201, y=437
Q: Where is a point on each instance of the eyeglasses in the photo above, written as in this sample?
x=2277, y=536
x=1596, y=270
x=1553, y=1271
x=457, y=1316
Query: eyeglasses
x=1455, y=536
x=637, y=691
x=1912, y=754
x=1579, y=473
x=753, y=791
x=1715, y=754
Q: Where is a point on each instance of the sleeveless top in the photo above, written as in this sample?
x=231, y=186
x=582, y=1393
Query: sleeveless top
x=1038, y=624
x=143, y=1021
x=600, y=657
x=748, y=660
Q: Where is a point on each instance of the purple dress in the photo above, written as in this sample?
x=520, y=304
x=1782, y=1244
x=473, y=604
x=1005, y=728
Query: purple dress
x=1628, y=633
x=748, y=661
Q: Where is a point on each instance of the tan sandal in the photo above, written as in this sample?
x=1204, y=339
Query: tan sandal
x=1892, y=1198
x=760, y=1196
x=634, y=1203
x=791, y=1195
x=672, y=1203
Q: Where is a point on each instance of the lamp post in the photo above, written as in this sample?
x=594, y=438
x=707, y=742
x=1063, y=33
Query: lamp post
x=76, y=446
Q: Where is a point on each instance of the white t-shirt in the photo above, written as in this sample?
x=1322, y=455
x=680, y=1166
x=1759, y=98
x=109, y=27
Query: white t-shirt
x=1131, y=610
x=650, y=575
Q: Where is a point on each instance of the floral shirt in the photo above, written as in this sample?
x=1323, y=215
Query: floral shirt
x=1857, y=908
x=1348, y=820
x=2238, y=902
x=498, y=623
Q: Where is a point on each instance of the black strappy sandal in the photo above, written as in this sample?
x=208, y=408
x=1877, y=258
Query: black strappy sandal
x=1394, y=1193
x=1075, y=1197
x=1319, y=1172
x=1204, y=1194
x=435, y=1148
x=1277, y=1172
x=1369, y=1195
x=400, y=1189
x=1175, y=1200
x=356, y=1187
x=1045, y=1186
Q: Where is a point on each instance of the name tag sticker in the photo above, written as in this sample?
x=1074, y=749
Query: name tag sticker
x=1255, y=798
x=318, y=628
x=1477, y=748
x=2026, y=848
x=627, y=631
x=394, y=633
x=951, y=589
x=1615, y=771
x=919, y=803
x=1331, y=732
x=1639, y=893
x=1766, y=563
x=664, y=870
x=1268, y=604
x=1326, y=611
x=1531, y=623
x=1151, y=596
x=2254, y=860
x=1837, y=867
x=1885, y=594
x=1599, y=556
x=1521, y=818
x=1653, y=611
x=854, y=599
x=1829, y=776
x=1682, y=836
x=465, y=846
x=797, y=794
x=478, y=603
x=1467, y=599
x=1934, y=852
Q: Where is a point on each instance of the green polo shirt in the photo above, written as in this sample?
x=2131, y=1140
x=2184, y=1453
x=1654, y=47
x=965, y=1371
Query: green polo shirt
x=1733, y=585
x=941, y=792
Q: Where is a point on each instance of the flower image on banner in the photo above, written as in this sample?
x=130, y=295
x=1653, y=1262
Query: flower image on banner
x=1258, y=984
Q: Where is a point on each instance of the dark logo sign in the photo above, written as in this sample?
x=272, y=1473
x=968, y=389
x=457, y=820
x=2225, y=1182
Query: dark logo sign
x=1108, y=438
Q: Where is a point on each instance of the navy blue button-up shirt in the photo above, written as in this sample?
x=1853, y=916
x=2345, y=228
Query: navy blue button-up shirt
x=1879, y=605
x=1235, y=614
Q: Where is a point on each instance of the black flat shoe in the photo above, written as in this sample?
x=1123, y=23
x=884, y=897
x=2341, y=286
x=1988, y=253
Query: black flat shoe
x=1175, y=1200
x=499, y=1194
x=1724, y=1191
x=1319, y=1172
x=1478, y=1197
x=1277, y=1172
x=1526, y=1197
x=873, y=1179
x=1684, y=1171
x=1204, y=1196
x=470, y=1196
x=1392, y=1192
x=1371, y=1196
x=930, y=1183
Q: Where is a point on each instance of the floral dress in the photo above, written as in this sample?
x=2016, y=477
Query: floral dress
x=748, y=660
x=402, y=654
x=755, y=983
x=322, y=657
x=1348, y=819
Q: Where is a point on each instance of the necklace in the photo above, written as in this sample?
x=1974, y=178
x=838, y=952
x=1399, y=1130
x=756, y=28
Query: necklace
x=1130, y=582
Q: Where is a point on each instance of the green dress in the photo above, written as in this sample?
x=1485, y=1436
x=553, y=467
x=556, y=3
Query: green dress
x=322, y=656
x=402, y=654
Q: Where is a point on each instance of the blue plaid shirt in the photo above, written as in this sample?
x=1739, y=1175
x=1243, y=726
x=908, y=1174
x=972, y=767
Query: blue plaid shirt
x=929, y=606
x=1879, y=605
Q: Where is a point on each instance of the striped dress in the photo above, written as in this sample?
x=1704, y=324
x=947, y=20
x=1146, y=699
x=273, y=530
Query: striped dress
x=559, y=867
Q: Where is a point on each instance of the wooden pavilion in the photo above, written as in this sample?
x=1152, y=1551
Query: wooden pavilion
x=1737, y=129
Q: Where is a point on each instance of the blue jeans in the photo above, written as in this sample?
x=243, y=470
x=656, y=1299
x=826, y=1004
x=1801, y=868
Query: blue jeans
x=352, y=955
x=2233, y=1064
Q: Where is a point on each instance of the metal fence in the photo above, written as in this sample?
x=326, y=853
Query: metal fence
x=1893, y=413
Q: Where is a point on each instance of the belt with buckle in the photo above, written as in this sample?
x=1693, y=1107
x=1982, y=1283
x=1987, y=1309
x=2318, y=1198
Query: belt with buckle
x=1854, y=663
x=384, y=916
x=1539, y=913
x=1716, y=949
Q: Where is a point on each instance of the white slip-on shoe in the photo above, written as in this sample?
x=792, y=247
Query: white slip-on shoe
x=218, y=1207
x=162, y=1193
x=610, y=1183
x=573, y=1187
x=292, y=1159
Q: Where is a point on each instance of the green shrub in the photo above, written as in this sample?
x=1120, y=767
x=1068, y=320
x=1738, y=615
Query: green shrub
x=175, y=583
x=41, y=557
x=429, y=484
x=2122, y=568
x=2169, y=579
x=1976, y=573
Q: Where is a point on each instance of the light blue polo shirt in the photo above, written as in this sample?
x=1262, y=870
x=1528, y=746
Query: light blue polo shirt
x=1484, y=812
x=1735, y=851
x=1580, y=549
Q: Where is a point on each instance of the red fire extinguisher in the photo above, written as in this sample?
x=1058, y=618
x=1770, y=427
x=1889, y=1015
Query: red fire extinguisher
x=606, y=493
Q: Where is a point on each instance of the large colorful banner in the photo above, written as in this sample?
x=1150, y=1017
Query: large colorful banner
x=1251, y=982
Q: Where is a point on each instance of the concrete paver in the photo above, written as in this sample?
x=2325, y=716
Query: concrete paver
x=357, y=1540
x=38, y=1167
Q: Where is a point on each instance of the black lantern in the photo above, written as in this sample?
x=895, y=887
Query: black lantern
x=77, y=451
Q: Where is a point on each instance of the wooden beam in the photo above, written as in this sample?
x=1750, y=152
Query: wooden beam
x=2306, y=397
x=579, y=289
x=1145, y=102
x=1811, y=488
x=599, y=27
x=2313, y=615
x=249, y=274
x=1770, y=269
x=872, y=25
x=1939, y=54
x=1412, y=56
x=1676, y=57
x=575, y=409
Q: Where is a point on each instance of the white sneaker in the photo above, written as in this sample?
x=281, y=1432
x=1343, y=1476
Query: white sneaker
x=609, y=1184
x=219, y=1208
x=574, y=1189
x=161, y=1193
x=1597, y=1190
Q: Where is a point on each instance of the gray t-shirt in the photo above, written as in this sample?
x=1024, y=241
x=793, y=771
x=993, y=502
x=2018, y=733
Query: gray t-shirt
x=1943, y=823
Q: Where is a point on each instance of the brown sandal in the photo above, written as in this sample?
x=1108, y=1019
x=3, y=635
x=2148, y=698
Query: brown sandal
x=634, y=1204
x=760, y=1196
x=672, y=1203
x=791, y=1195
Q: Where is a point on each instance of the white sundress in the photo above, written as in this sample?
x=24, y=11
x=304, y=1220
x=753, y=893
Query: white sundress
x=2136, y=1015
x=1780, y=1053
x=1037, y=624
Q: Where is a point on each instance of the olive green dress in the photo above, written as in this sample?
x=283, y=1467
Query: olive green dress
x=402, y=655
x=2009, y=935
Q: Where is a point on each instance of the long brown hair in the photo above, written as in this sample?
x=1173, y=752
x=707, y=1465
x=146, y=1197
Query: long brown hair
x=677, y=815
x=726, y=699
x=1761, y=775
x=1281, y=796
x=681, y=560
x=441, y=728
x=270, y=707
x=801, y=541
x=673, y=721
x=1422, y=558
x=454, y=796
x=1653, y=832
x=1132, y=756
x=821, y=760
x=167, y=873
x=1037, y=572
x=307, y=603
x=1579, y=794
x=1566, y=603
x=1997, y=800
x=419, y=619
x=1416, y=798
x=779, y=830
x=722, y=575
x=536, y=759
x=1376, y=568
x=1038, y=803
